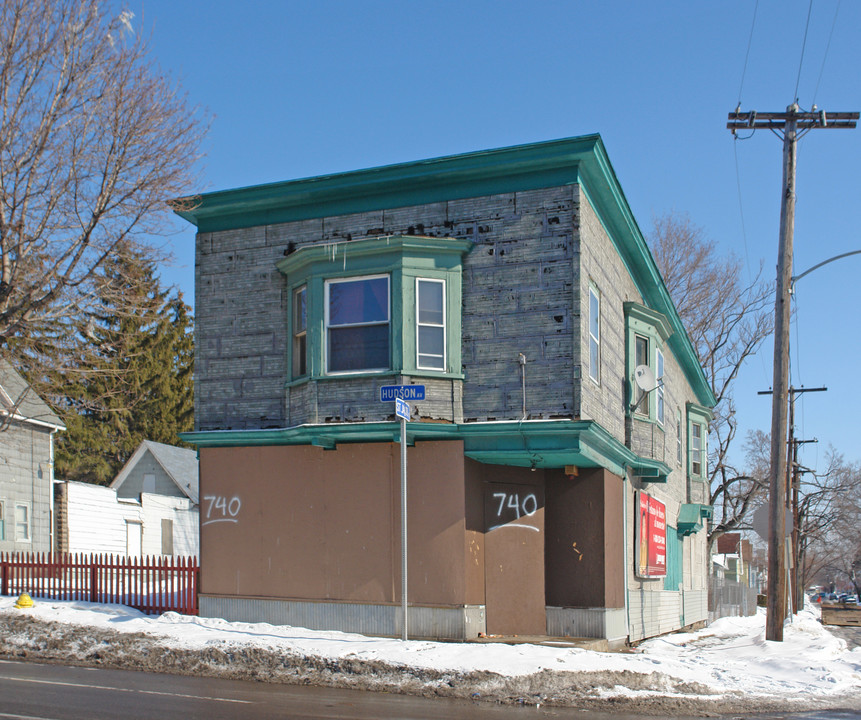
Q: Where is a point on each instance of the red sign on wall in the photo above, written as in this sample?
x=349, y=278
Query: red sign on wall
x=651, y=537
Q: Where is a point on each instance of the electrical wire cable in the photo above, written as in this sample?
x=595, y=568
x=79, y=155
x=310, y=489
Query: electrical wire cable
x=827, y=48
x=741, y=214
x=803, y=46
x=747, y=54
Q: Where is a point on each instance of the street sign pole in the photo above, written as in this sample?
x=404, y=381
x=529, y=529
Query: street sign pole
x=402, y=410
x=404, y=524
x=400, y=394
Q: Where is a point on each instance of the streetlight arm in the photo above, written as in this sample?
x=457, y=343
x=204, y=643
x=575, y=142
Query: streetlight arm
x=794, y=278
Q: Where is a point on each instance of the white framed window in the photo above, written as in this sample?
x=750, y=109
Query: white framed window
x=430, y=324
x=641, y=357
x=679, y=436
x=659, y=390
x=357, y=324
x=22, y=523
x=594, y=335
x=697, y=447
x=2, y=522
x=300, y=331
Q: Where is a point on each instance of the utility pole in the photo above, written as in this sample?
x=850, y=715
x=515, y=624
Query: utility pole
x=792, y=492
x=792, y=124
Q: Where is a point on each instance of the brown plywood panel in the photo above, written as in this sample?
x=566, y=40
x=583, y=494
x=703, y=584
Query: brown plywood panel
x=435, y=503
x=575, y=539
x=514, y=559
x=614, y=540
x=297, y=522
x=306, y=523
x=474, y=537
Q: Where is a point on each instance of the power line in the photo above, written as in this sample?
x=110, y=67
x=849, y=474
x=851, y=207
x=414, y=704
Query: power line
x=803, y=46
x=827, y=48
x=747, y=54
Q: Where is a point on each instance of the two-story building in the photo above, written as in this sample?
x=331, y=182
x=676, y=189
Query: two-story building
x=557, y=457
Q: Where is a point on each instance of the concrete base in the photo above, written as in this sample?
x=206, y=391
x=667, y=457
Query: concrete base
x=431, y=623
x=609, y=624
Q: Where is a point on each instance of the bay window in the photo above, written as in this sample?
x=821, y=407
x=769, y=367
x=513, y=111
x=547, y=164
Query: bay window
x=430, y=324
x=646, y=333
x=300, y=331
x=357, y=324
x=698, y=430
x=377, y=305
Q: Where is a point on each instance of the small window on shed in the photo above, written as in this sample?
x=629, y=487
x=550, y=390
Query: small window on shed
x=148, y=483
x=166, y=536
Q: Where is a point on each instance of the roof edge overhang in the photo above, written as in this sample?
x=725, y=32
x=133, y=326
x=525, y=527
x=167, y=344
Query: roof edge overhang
x=486, y=172
x=529, y=443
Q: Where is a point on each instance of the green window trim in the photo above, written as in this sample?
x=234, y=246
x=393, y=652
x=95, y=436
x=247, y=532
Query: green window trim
x=404, y=259
x=699, y=417
x=654, y=328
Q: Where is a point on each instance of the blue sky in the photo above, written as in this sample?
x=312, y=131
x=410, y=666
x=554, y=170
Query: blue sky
x=303, y=89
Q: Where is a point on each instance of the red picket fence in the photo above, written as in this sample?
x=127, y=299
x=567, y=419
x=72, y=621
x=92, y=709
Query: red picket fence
x=151, y=585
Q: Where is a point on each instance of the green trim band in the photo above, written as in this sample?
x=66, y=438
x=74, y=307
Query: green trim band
x=533, y=443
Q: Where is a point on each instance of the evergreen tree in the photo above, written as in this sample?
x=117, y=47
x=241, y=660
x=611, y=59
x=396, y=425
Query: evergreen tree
x=132, y=375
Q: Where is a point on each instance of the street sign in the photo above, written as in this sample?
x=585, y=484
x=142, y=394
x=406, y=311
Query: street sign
x=402, y=409
x=389, y=393
x=760, y=521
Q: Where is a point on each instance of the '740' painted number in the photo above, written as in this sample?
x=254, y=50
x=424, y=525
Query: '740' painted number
x=220, y=509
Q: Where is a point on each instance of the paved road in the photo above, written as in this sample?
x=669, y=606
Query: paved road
x=30, y=691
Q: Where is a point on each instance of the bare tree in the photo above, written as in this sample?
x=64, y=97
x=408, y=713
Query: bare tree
x=830, y=522
x=94, y=139
x=727, y=319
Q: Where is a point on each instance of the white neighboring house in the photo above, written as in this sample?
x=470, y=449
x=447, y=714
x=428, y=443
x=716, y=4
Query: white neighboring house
x=151, y=507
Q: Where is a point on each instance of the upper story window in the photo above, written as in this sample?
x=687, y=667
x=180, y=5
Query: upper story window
x=357, y=324
x=646, y=333
x=594, y=335
x=679, y=437
x=300, y=331
x=698, y=429
x=641, y=357
x=376, y=305
x=430, y=324
x=22, y=522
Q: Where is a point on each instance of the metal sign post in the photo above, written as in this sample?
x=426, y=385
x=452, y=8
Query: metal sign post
x=402, y=410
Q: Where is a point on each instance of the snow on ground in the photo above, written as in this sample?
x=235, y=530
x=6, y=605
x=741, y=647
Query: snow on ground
x=721, y=668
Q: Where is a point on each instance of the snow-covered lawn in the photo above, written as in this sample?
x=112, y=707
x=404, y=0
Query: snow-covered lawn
x=723, y=667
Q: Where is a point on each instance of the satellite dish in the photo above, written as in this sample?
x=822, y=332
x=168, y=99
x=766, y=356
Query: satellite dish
x=645, y=378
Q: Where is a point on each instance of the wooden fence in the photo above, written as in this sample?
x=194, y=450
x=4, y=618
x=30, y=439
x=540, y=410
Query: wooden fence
x=152, y=585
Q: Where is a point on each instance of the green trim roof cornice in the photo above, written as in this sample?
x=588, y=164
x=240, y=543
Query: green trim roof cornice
x=579, y=160
x=533, y=443
x=699, y=412
x=308, y=256
x=651, y=317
